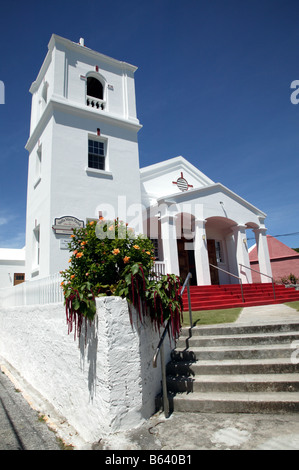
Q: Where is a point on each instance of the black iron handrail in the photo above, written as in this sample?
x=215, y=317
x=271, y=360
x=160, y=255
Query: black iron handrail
x=160, y=348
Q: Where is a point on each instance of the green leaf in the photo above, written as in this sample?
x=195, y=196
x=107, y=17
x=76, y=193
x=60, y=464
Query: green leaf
x=76, y=304
x=135, y=268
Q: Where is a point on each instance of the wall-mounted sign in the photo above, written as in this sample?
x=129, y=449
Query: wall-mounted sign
x=65, y=225
x=64, y=243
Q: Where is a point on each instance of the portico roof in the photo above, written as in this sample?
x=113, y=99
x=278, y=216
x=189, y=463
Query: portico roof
x=212, y=189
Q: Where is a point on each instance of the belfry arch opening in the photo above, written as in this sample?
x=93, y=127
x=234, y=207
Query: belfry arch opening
x=95, y=88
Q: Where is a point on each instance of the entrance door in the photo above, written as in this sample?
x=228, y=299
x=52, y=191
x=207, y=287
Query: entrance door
x=186, y=261
x=213, y=260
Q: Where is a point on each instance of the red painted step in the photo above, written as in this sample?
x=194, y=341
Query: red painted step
x=229, y=296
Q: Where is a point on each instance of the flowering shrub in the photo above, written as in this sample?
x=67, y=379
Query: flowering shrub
x=107, y=258
x=290, y=279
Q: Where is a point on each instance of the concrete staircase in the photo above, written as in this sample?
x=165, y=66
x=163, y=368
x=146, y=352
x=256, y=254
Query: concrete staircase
x=229, y=296
x=235, y=369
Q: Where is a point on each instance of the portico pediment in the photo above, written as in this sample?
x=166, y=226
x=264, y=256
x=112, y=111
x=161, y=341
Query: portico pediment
x=175, y=175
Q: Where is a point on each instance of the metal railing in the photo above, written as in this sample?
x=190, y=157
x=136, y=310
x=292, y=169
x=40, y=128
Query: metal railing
x=160, y=349
x=262, y=274
x=233, y=275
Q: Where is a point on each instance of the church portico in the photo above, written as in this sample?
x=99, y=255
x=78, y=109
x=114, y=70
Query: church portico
x=196, y=235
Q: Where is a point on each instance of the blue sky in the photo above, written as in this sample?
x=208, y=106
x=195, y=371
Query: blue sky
x=213, y=84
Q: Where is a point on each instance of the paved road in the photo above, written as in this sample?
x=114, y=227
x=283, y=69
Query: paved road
x=20, y=427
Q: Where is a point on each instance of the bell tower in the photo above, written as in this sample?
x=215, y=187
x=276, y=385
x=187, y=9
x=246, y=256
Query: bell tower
x=83, y=149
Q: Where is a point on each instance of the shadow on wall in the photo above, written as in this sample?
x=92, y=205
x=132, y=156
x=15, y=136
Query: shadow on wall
x=151, y=378
x=88, y=344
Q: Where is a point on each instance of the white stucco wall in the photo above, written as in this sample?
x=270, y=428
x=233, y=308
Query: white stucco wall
x=105, y=386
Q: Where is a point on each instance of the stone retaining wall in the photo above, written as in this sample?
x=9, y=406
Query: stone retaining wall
x=101, y=384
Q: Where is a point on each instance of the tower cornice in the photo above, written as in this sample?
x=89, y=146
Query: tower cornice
x=57, y=41
x=57, y=103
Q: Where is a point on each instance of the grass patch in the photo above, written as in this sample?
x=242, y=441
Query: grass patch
x=294, y=305
x=212, y=317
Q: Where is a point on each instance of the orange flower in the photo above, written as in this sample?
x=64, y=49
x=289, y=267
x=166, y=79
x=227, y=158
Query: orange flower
x=83, y=243
x=75, y=252
x=62, y=284
x=101, y=218
x=136, y=247
x=91, y=223
x=72, y=236
x=79, y=255
x=126, y=259
x=148, y=252
x=70, y=260
x=72, y=276
x=111, y=228
x=115, y=251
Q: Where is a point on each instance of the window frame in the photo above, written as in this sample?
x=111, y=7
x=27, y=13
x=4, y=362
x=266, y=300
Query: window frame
x=98, y=157
x=17, y=281
x=97, y=171
x=219, y=252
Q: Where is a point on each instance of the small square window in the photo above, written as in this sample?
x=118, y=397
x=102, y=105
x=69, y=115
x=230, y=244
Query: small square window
x=18, y=278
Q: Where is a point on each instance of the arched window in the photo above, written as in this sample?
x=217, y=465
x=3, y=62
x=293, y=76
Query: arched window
x=94, y=88
x=95, y=93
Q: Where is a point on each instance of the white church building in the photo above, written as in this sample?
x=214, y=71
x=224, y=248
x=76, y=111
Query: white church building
x=84, y=163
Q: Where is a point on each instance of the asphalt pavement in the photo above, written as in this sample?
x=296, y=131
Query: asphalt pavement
x=21, y=427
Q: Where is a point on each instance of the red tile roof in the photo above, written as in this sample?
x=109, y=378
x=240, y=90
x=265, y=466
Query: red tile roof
x=277, y=250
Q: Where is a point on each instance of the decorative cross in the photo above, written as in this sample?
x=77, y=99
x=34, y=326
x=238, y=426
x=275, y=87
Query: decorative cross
x=182, y=183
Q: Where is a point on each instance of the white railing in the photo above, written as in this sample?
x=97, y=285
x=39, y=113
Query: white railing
x=95, y=102
x=158, y=270
x=42, y=291
x=159, y=267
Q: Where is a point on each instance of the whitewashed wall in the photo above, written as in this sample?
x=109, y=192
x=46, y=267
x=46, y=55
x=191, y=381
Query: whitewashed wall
x=103, y=386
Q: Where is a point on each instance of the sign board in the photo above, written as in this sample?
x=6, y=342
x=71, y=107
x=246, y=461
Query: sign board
x=64, y=243
x=65, y=225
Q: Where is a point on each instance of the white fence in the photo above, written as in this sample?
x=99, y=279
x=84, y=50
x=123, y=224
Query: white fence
x=43, y=291
x=159, y=267
x=39, y=292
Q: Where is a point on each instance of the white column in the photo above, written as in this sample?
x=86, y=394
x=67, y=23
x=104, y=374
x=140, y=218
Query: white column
x=263, y=253
x=169, y=242
x=242, y=255
x=201, y=254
